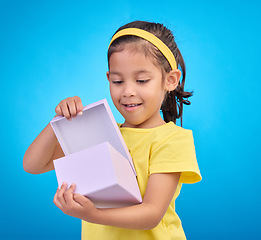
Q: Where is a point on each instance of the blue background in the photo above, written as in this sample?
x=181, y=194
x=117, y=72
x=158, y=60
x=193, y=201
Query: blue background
x=54, y=49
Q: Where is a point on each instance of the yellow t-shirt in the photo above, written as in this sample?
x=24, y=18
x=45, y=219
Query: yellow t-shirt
x=164, y=149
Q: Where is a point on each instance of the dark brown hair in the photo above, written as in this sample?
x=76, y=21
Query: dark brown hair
x=172, y=106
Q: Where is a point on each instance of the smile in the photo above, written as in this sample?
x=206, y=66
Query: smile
x=132, y=106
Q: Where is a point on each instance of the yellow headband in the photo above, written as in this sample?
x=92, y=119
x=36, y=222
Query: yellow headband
x=152, y=39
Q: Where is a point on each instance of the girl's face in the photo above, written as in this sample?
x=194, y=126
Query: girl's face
x=136, y=88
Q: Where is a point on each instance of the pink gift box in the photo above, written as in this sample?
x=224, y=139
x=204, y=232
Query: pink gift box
x=96, y=158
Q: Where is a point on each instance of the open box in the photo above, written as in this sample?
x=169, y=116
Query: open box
x=96, y=158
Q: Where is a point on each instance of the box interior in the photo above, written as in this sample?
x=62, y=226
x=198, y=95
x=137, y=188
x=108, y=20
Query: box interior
x=96, y=125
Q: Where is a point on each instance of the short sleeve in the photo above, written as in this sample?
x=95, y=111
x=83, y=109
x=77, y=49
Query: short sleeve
x=176, y=154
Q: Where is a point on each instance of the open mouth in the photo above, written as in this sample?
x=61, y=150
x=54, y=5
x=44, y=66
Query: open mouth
x=132, y=105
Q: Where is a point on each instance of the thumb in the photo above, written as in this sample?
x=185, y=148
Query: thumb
x=82, y=200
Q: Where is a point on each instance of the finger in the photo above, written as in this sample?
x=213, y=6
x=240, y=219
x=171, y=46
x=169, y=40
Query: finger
x=79, y=106
x=58, y=110
x=60, y=194
x=72, y=107
x=55, y=200
x=65, y=110
x=82, y=200
x=68, y=195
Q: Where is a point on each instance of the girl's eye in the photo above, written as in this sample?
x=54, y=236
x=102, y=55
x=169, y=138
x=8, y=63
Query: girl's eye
x=117, y=82
x=142, y=81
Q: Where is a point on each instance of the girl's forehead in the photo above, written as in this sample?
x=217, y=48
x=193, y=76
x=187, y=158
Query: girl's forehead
x=128, y=60
x=129, y=53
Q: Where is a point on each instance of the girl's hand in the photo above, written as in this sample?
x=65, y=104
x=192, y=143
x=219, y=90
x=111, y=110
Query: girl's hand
x=147, y=215
x=74, y=204
x=69, y=107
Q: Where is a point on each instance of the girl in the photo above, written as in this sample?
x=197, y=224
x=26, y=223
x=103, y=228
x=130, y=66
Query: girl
x=143, y=74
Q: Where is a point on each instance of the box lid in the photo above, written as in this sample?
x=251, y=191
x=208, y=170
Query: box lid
x=96, y=125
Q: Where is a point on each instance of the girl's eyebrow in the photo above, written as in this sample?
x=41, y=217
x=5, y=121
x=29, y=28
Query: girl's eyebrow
x=116, y=73
x=136, y=72
x=142, y=71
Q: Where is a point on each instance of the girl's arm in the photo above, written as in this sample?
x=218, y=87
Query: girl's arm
x=147, y=215
x=40, y=155
x=45, y=148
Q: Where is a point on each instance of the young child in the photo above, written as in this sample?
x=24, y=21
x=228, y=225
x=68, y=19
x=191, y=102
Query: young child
x=144, y=78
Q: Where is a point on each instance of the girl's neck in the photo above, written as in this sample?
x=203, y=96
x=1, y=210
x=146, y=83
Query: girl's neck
x=153, y=124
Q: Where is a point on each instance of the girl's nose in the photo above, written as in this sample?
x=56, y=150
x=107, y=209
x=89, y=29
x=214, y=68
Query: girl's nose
x=129, y=90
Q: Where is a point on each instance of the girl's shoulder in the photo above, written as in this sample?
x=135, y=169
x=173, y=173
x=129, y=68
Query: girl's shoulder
x=172, y=129
x=172, y=134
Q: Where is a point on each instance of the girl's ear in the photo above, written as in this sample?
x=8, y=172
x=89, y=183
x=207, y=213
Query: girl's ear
x=172, y=79
x=107, y=74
